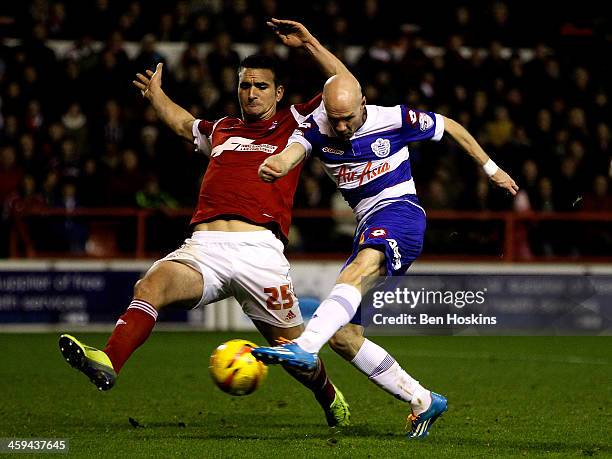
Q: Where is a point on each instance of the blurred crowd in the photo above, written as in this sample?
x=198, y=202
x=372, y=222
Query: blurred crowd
x=530, y=85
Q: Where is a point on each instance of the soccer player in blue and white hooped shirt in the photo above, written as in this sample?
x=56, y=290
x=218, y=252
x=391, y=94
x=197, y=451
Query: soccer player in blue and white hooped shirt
x=364, y=147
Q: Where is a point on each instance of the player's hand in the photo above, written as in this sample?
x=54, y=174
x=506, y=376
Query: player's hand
x=291, y=33
x=272, y=169
x=149, y=83
x=503, y=180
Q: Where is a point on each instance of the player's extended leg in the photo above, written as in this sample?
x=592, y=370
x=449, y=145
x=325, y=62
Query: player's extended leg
x=384, y=371
x=167, y=282
x=327, y=394
x=332, y=314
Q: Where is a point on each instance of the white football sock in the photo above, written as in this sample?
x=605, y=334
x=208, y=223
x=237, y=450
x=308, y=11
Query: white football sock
x=385, y=372
x=332, y=314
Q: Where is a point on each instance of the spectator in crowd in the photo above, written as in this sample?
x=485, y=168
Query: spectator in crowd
x=127, y=180
x=11, y=174
x=221, y=57
x=148, y=57
x=26, y=197
x=151, y=196
x=75, y=125
x=499, y=131
x=201, y=31
x=91, y=185
x=599, y=199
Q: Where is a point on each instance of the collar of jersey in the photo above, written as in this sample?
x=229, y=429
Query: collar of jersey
x=371, y=115
x=259, y=122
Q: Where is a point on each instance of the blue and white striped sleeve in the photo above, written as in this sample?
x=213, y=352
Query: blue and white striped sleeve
x=419, y=125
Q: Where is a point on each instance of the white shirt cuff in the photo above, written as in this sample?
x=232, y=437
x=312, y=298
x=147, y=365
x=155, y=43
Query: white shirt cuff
x=439, y=128
x=302, y=141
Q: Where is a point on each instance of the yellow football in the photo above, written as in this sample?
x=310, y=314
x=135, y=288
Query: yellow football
x=234, y=369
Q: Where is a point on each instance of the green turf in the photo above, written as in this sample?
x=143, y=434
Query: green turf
x=510, y=396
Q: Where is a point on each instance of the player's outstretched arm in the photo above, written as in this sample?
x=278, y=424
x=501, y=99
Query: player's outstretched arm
x=177, y=118
x=296, y=35
x=497, y=175
x=277, y=166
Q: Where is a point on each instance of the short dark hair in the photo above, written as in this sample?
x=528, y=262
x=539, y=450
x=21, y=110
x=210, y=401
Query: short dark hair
x=261, y=61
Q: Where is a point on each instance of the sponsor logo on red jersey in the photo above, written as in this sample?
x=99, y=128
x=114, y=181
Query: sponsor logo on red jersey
x=242, y=144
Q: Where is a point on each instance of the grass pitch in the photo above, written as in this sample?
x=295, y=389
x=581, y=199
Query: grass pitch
x=508, y=396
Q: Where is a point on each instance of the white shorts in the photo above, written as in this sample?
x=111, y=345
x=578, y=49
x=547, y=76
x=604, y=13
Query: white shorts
x=250, y=266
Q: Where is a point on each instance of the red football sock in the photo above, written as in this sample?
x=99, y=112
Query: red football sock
x=318, y=382
x=132, y=329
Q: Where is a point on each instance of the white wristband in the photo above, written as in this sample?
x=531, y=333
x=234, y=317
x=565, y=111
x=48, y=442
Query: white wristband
x=490, y=167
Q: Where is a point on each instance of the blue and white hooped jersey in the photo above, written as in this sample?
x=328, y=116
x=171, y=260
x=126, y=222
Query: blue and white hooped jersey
x=372, y=168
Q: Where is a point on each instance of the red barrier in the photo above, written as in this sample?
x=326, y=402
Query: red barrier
x=22, y=244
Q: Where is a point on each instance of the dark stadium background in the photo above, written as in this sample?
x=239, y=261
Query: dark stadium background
x=88, y=172
x=529, y=79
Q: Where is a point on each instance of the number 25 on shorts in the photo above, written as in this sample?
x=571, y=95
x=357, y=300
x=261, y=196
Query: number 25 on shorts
x=279, y=298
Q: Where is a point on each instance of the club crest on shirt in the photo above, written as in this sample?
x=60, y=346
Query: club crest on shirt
x=425, y=121
x=381, y=148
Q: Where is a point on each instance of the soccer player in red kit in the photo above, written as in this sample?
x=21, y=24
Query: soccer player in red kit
x=239, y=225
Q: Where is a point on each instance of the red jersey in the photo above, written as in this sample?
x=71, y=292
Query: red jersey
x=231, y=187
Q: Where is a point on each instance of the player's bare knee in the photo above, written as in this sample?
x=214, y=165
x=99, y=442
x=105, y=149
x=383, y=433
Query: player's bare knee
x=146, y=290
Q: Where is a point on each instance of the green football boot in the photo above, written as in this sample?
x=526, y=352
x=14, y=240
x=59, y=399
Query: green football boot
x=338, y=414
x=94, y=363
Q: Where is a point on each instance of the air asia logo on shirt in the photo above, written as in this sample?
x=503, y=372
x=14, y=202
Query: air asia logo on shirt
x=346, y=175
x=242, y=144
x=381, y=148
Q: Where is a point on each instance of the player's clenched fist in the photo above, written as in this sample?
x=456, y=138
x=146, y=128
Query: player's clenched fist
x=150, y=82
x=272, y=169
